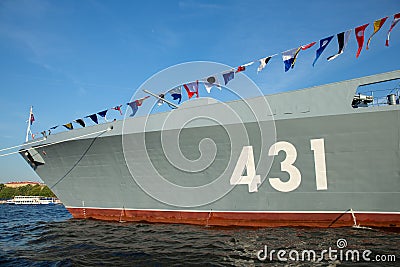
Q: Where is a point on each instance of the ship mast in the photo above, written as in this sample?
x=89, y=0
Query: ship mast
x=28, y=129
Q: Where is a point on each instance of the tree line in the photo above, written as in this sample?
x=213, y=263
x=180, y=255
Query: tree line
x=27, y=190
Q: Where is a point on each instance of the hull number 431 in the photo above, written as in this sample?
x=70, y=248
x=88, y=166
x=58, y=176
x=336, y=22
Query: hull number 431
x=246, y=161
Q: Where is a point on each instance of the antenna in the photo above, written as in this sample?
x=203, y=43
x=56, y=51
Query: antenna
x=160, y=98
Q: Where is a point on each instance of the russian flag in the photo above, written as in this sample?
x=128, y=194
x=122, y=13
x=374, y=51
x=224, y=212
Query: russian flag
x=32, y=118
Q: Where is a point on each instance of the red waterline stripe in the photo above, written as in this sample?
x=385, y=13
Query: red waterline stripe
x=262, y=219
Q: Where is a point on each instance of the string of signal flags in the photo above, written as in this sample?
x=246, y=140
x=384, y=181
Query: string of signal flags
x=289, y=58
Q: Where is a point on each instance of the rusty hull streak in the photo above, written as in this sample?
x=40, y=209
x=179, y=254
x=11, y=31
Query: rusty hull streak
x=249, y=219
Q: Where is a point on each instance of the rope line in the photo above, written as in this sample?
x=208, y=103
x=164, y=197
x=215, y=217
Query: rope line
x=8, y=148
x=49, y=144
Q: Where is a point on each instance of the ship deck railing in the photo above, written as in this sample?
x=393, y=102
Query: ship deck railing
x=380, y=96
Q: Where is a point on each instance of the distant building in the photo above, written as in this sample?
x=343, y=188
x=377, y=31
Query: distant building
x=19, y=184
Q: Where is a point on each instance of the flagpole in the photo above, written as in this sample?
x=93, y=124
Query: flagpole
x=160, y=98
x=28, y=129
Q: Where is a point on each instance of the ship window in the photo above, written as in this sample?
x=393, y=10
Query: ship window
x=377, y=94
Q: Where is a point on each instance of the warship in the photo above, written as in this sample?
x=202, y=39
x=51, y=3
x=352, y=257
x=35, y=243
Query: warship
x=324, y=156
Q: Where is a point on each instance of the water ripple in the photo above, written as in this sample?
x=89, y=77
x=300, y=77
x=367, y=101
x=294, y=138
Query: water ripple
x=48, y=236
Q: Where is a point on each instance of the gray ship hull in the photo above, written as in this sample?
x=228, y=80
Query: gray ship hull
x=325, y=165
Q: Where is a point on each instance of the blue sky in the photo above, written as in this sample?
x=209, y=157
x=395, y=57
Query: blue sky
x=73, y=58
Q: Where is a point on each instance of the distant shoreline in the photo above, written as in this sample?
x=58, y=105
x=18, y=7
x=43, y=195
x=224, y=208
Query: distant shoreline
x=12, y=189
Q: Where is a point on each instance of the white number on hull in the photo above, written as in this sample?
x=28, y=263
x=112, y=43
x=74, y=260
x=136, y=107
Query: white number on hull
x=318, y=147
x=286, y=166
x=246, y=160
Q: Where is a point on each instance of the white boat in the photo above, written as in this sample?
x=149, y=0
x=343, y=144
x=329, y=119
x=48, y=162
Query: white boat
x=32, y=200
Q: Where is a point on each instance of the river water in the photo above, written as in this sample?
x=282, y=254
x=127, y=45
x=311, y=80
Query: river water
x=48, y=236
